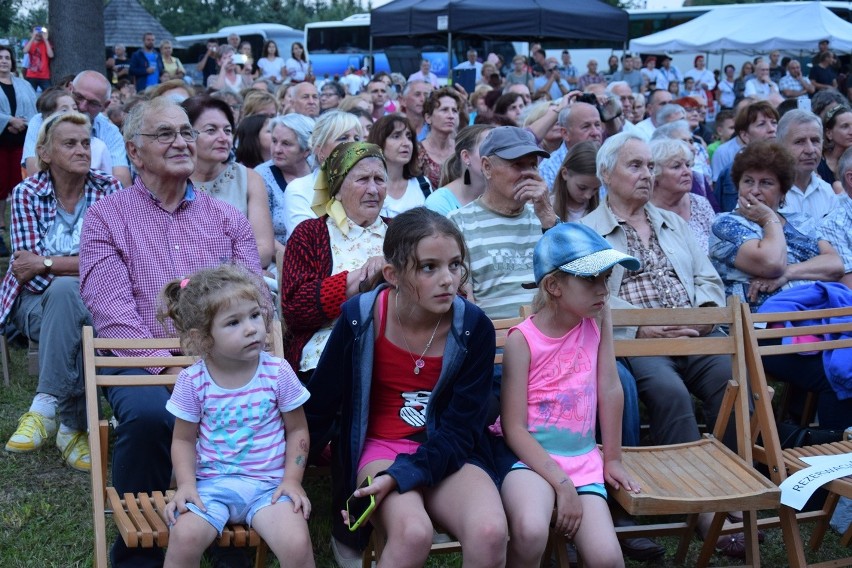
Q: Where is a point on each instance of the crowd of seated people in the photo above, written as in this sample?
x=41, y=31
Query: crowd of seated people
x=408, y=215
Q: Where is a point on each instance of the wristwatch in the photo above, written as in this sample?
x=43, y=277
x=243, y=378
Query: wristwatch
x=48, y=264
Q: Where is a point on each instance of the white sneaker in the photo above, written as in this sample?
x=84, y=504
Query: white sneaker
x=75, y=450
x=32, y=432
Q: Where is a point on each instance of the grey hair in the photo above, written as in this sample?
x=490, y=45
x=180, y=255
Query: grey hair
x=608, y=154
x=83, y=74
x=301, y=125
x=664, y=150
x=136, y=117
x=793, y=118
x=329, y=126
x=407, y=89
x=639, y=98
x=667, y=111
x=669, y=129
x=616, y=84
x=844, y=165
x=564, y=114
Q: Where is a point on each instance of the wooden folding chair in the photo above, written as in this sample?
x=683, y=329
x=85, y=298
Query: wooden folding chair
x=140, y=518
x=765, y=440
x=702, y=476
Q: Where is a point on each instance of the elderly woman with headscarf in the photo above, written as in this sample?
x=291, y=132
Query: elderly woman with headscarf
x=328, y=258
x=40, y=294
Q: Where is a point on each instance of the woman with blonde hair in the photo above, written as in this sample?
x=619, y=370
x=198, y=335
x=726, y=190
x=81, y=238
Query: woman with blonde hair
x=172, y=67
x=259, y=102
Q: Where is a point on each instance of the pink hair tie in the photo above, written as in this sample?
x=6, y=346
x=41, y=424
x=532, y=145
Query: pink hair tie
x=184, y=282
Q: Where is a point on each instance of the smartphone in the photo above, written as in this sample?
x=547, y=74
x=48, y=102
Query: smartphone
x=239, y=58
x=359, y=509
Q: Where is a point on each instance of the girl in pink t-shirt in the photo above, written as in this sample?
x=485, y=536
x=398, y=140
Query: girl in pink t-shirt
x=240, y=441
x=558, y=369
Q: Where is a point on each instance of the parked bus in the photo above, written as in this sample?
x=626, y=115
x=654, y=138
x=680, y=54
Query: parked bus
x=192, y=47
x=334, y=46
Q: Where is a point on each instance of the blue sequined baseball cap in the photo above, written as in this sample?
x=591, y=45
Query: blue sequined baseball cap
x=576, y=249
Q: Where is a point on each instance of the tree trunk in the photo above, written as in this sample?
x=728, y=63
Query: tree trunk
x=76, y=30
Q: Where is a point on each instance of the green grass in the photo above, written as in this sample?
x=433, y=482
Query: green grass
x=46, y=516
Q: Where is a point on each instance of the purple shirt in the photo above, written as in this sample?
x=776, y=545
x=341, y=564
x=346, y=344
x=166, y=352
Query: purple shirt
x=131, y=248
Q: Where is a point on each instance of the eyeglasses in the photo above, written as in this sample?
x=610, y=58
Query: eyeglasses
x=90, y=103
x=169, y=136
x=328, y=94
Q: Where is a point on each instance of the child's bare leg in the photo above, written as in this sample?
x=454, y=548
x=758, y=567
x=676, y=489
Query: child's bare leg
x=596, y=540
x=468, y=504
x=403, y=519
x=286, y=533
x=528, y=500
x=189, y=537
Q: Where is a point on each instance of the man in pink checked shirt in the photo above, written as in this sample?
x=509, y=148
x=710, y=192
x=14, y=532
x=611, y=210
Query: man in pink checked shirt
x=132, y=243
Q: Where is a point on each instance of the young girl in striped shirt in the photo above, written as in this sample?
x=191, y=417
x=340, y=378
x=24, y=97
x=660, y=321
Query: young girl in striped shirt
x=237, y=410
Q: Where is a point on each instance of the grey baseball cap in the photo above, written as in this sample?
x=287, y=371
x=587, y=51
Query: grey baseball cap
x=510, y=143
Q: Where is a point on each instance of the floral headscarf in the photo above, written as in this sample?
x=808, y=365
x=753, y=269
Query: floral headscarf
x=334, y=170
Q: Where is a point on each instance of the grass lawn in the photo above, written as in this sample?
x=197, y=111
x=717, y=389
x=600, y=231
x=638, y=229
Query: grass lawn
x=46, y=517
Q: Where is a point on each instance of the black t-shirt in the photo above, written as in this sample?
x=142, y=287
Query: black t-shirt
x=210, y=68
x=7, y=139
x=821, y=75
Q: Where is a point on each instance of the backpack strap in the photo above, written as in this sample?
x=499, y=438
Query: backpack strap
x=424, y=185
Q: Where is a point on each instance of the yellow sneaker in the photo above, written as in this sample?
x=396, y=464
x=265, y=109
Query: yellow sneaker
x=75, y=450
x=33, y=430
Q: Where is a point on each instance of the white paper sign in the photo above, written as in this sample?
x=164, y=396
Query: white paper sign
x=798, y=488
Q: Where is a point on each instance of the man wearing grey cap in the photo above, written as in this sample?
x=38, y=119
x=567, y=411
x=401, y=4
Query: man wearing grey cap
x=503, y=225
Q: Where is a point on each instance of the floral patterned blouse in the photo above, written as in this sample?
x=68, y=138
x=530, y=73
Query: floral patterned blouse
x=731, y=230
x=700, y=222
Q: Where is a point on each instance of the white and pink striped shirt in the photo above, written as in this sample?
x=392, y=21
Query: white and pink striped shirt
x=241, y=431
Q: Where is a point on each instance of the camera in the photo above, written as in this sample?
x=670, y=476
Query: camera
x=607, y=112
x=40, y=29
x=240, y=58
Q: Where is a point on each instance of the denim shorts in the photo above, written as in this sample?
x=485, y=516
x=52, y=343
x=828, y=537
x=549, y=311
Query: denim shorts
x=233, y=499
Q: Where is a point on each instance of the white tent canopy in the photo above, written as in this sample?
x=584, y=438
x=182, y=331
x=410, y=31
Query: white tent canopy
x=753, y=28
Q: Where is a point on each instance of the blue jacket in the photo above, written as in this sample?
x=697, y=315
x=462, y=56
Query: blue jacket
x=817, y=296
x=139, y=68
x=457, y=414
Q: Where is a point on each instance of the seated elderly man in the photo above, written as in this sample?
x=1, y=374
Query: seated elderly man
x=502, y=226
x=579, y=122
x=800, y=131
x=834, y=227
x=675, y=273
x=91, y=91
x=133, y=243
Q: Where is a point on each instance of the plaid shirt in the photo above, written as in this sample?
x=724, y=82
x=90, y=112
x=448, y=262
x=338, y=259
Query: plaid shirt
x=656, y=285
x=33, y=214
x=131, y=248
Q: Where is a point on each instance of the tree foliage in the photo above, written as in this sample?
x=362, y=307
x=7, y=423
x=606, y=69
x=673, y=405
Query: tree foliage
x=183, y=17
